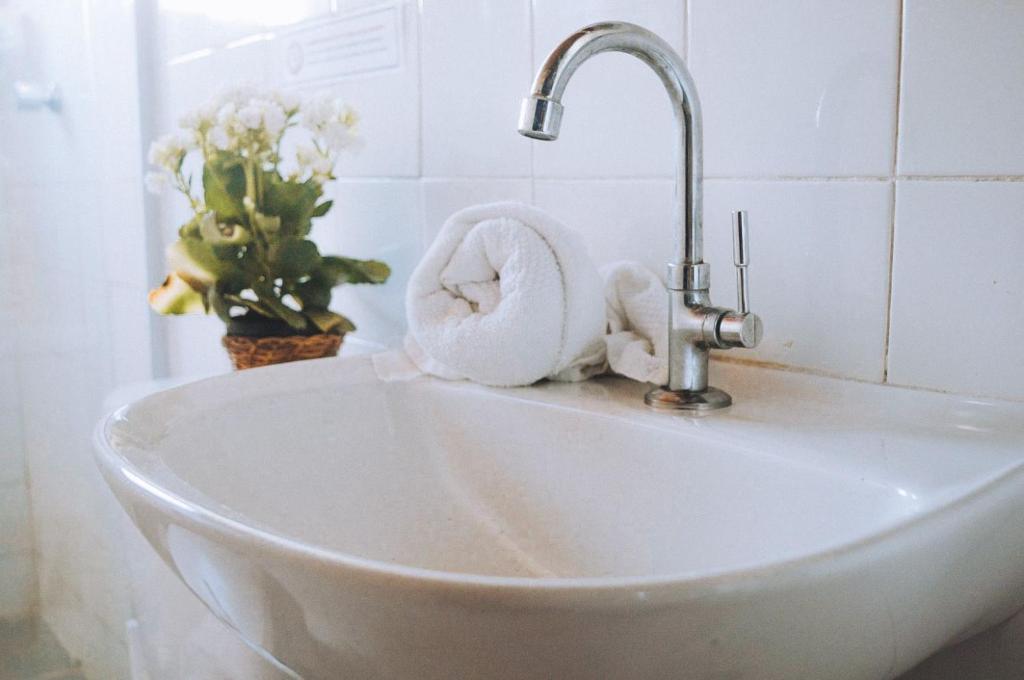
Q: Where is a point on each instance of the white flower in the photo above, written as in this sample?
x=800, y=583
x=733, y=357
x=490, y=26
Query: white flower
x=237, y=96
x=274, y=118
x=339, y=137
x=198, y=119
x=289, y=101
x=240, y=124
x=263, y=114
x=227, y=115
x=311, y=160
x=322, y=168
x=317, y=110
x=251, y=116
x=156, y=182
x=305, y=155
x=333, y=121
x=219, y=137
x=168, y=151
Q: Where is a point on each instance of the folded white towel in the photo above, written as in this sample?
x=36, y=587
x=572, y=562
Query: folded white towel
x=637, y=307
x=506, y=295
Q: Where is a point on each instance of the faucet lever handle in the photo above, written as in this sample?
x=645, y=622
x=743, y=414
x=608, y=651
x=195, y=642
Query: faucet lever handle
x=741, y=258
x=740, y=328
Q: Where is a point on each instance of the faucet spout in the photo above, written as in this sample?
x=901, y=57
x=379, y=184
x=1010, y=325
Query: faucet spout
x=541, y=117
x=694, y=325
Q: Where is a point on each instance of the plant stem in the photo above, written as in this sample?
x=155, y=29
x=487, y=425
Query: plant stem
x=185, y=187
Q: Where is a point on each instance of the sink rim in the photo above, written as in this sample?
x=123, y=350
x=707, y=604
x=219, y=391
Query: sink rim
x=125, y=477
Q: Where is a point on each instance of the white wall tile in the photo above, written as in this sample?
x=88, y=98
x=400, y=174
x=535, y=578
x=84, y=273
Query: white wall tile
x=618, y=120
x=17, y=586
x=8, y=263
x=74, y=194
x=130, y=342
x=115, y=75
x=387, y=102
x=957, y=266
x=46, y=145
x=194, y=345
x=442, y=198
x=793, y=88
x=618, y=219
x=818, y=272
x=122, y=226
x=962, y=90
x=378, y=220
x=58, y=265
x=476, y=59
x=189, y=25
x=185, y=84
x=15, y=519
x=12, y=458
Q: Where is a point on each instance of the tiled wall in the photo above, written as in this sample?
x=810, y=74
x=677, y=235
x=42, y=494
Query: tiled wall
x=877, y=146
x=17, y=567
x=75, y=321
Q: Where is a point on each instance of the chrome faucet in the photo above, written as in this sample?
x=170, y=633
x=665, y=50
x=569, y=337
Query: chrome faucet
x=695, y=326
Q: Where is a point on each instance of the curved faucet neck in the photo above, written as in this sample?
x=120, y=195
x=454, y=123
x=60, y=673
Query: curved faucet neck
x=542, y=115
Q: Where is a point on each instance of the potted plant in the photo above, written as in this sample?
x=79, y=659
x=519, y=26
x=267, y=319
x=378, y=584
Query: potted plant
x=245, y=252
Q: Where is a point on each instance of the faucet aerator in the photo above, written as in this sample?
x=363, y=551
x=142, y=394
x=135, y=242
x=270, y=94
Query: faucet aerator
x=540, y=118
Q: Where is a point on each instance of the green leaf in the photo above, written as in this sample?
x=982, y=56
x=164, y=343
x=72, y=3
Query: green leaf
x=293, y=259
x=220, y=306
x=224, y=187
x=268, y=224
x=268, y=298
x=330, y=322
x=222, y=234
x=339, y=270
x=190, y=229
x=315, y=293
x=226, y=253
x=205, y=255
x=234, y=281
x=293, y=202
x=321, y=210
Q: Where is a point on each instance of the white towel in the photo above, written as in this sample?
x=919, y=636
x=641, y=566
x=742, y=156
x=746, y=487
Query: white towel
x=506, y=295
x=637, y=307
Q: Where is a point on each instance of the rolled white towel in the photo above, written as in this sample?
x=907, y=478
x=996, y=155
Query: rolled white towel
x=506, y=295
x=637, y=307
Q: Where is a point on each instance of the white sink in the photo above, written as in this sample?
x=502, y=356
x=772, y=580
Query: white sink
x=354, y=528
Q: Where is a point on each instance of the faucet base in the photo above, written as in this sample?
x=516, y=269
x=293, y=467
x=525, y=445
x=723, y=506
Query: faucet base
x=708, y=399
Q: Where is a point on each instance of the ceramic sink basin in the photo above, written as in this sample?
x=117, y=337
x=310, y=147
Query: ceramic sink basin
x=350, y=527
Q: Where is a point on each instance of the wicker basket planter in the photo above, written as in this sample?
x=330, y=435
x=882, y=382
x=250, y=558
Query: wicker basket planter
x=251, y=352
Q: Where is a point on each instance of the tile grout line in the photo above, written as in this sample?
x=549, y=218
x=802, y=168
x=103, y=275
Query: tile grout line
x=892, y=188
x=35, y=597
x=687, y=32
x=354, y=179
x=533, y=69
x=834, y=375
x=419, y=89
x=421, y=201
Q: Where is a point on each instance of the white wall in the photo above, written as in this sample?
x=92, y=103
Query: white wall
x=74, y=297
x=875, y=144
x=17, y=566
